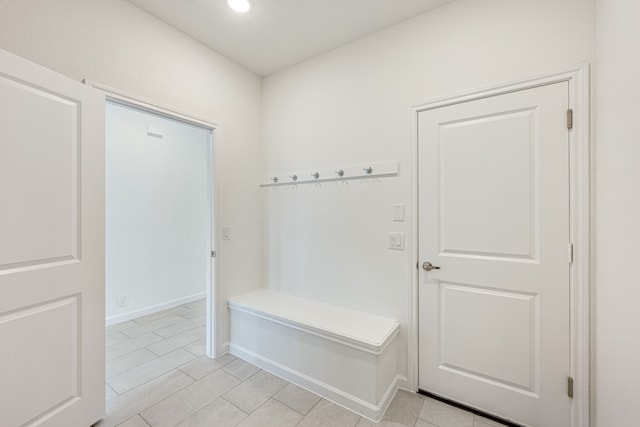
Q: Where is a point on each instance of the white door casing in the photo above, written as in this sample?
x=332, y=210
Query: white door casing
x=51, y=248
x=494, y=215
x=216, y=308
x=578, y=78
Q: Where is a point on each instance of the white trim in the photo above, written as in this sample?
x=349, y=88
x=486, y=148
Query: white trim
x=151, y=106
x=213, y=346
x=337, y=396
x=363, y=331
x=578, y=80
x=580, y=165
x=152, y=309
x=349, y=341
x=224, y=349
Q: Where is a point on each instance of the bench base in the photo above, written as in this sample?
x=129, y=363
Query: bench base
x=360, y=380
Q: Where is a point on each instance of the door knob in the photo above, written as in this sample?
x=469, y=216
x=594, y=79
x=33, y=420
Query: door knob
x=428, y=266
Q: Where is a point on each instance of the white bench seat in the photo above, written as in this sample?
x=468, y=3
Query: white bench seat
x=366, y=331
x=347, y=356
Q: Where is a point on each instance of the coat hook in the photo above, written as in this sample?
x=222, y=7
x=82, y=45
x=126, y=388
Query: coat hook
x=368, y=170
x=340, y=172
x=294, y=177
x=274, y=179
x=316, y=175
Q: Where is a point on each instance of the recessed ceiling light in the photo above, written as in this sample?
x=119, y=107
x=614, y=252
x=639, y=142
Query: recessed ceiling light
x=240, y=6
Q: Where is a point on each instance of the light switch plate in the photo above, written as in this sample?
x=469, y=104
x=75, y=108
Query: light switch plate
x=398, y=213
x=395, y=241
x=226, y=233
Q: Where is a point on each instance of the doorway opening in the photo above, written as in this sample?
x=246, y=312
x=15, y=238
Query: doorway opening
x=160, y=222
x=158, y=212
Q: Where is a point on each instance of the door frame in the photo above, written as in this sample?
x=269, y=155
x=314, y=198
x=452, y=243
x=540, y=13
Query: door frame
x=214, y=348
x=580, y=225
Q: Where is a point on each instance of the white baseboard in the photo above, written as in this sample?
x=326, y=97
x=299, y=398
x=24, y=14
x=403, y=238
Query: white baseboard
x=359, y=406
x=152, y=309
x=220, y=351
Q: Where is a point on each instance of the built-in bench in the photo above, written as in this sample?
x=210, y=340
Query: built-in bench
x=346, y=356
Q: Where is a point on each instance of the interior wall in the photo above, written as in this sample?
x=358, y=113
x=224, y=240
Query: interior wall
x=617, y=214
x=158, y=212
x=117, y=44
x=352, y=105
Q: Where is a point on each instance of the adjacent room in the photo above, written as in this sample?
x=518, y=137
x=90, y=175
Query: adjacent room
x=319, y=213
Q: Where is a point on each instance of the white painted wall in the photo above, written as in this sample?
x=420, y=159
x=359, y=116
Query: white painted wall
x=617, y=214
x=116, y=44
x=351, y=105
x=158, y=212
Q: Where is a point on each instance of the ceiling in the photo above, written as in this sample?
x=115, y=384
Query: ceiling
x=276, y=34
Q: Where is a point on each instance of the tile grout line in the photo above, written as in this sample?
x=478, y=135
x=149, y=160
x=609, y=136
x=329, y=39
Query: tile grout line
x=236, y=406
x=310, y=410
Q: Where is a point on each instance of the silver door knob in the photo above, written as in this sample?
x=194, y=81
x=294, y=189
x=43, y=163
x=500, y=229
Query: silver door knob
x=428, y=266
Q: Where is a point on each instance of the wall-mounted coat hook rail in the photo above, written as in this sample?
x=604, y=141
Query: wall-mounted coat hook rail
x=361, y=171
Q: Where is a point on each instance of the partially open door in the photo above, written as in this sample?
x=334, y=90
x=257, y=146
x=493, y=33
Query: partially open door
x=51, y=248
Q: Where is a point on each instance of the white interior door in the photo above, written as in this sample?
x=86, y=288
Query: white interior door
x=494, y=216
x=51, y=248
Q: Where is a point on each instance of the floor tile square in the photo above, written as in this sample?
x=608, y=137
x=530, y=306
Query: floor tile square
x=191, y=399
x=134, y=422
x=272, y=414
x=404, y=408
x=152, y=326
x=218, y=413
x=114, y=338
x=128, y=361
x=198, y=348
x=364, y=422
x=177, y=341
x=297, y=398
x=127, y=405
x=147, y=371
x=326, y=414
x=120, y=326
x=158, y=315
x=241, y=369
x=443, y=415
x=485, y=422
x=204, y=365
x=255, y=391
x=109, y=393
x=176, y=328
x=131, y=344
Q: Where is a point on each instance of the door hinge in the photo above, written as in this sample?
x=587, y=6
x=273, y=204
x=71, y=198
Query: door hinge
x=570, y=253
x=417, y=265
x=213, y=254
x=570, y=387
x=569, y=118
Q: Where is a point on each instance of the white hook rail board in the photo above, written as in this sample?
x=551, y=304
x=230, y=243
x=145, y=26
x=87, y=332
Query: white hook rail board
x=360, y=171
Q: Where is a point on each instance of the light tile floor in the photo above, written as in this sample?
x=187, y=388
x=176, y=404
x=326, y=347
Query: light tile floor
x=158, y=375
